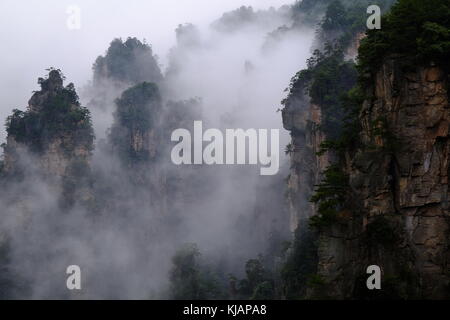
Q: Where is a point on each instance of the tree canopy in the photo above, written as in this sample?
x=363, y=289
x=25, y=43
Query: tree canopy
x=131, y=62
x=417, y=29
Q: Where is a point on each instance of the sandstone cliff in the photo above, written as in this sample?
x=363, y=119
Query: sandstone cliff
x=381, y=184
x=396, y=212
x=399, y=189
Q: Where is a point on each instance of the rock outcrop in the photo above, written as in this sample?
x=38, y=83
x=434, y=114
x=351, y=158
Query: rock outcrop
x=53, y=138
x=380, y=185
x=45, y=128
x=134, y=135
x=396, y=214
x=399, y=189
x=302, y=118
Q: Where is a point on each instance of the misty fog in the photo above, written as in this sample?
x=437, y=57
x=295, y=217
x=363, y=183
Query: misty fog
x=239, y=77
x=36, y=36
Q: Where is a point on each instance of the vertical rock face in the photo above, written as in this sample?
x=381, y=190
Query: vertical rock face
x=302, y=119
x=384, y=199
x=396, y=211
x=352, y=49
x=313, y=114
x=398, y=189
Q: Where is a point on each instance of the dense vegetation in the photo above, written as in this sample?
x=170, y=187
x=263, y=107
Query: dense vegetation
x=190, y=279
x=136, y=114
x=246, y=16
x=259, y=282
x=416, y=29
x=308, y=11
x=331, y=76
x=130, y=62
x=60, y=115
x=343, y=20
x=233, y=20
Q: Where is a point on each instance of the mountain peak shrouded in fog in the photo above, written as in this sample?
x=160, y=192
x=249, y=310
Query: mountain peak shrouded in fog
x=187, y=35
x=130, y=61
x=125, y=64
x=54, y=120
x=51, y=144
x=247, y=17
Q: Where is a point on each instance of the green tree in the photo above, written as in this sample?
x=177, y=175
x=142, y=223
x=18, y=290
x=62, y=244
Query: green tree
x=130, y=61
x=416, y=29
x=258, y=284
x=190, y=279
x=137, y=112
x=55, y=112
